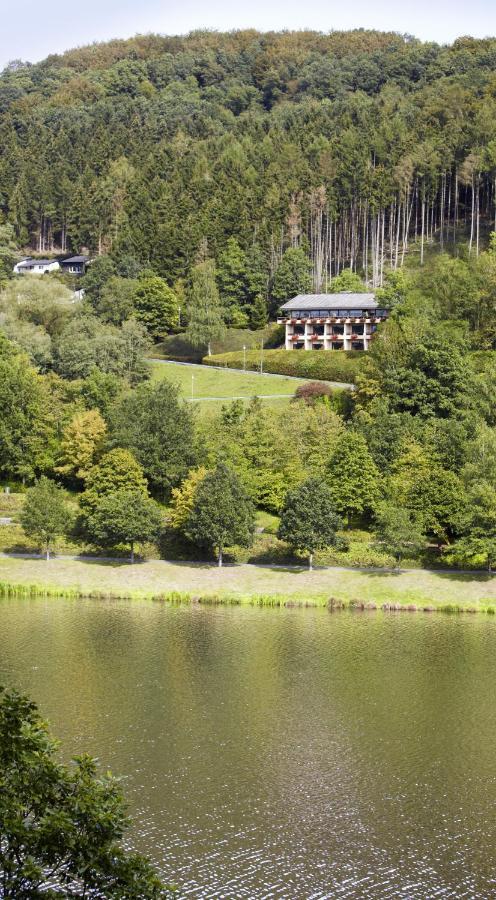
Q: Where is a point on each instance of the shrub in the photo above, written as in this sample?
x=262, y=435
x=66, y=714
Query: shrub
x=312, y=391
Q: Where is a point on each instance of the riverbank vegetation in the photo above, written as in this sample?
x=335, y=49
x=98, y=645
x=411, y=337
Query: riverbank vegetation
x=255, y=585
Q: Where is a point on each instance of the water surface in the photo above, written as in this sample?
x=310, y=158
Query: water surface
x=272, y=753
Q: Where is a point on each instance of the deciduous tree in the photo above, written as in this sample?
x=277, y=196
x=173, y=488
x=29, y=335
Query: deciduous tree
x=309, y=519
x=45, y=515
x=124, y=517
x=222, y=513
x=62, y=826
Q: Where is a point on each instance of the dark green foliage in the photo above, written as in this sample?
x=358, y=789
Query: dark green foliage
x=439, y=500
x=398, y=532
x=45, y=515
x=100, y=390
x=432, y=382
x=62, y=826
x=258, y=314
x=101, y=270
x=292, y=276
x=156, y=305
x=353, y=476
x=309, y=518
x=124, y=517
x=158, y=428
x=232, y=278
x=222, y=514
x=116, y=301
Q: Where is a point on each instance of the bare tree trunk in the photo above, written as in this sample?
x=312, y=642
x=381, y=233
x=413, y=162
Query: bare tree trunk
x=132, y=552
x=310, y=561
x=422, y=234
x=472, y=219
x=219, y=558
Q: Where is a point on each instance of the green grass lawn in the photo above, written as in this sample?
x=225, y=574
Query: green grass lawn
x=199, y=382
x=250, y=583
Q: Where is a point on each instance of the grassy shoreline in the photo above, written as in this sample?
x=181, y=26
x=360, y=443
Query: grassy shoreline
x=204, y=583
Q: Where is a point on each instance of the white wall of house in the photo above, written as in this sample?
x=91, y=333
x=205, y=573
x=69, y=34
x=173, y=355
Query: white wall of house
x=34, y=268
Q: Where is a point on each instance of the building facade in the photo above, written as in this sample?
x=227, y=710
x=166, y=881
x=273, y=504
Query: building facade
x=32, y=266
x=75, y=265
x=344, y=321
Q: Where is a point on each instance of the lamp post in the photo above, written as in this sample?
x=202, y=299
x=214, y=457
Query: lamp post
x=244, y=357
x=261, y=358
x=192, y=387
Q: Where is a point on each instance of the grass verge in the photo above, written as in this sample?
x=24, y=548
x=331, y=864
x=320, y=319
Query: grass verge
x=204, y=583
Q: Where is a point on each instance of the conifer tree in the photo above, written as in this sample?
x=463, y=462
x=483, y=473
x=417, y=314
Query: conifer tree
x=353, y=476
x=258, y=313
x=292, y=276
x=206, y=318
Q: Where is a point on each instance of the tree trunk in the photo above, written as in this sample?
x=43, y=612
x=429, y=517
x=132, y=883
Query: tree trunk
x=47, y=552
x=310, y=562
x=132, y=552
x=219, y=558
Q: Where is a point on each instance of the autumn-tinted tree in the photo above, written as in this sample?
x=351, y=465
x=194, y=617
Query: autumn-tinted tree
x=309, y=519
x=222, y=514
x=82, y=442
x=118, y=470
x=156, y=305
x=45, y=515
x=62, y=825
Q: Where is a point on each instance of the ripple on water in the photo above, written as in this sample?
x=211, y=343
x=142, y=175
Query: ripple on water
x=279, y=753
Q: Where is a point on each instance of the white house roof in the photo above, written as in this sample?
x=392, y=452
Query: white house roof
x=343, y=300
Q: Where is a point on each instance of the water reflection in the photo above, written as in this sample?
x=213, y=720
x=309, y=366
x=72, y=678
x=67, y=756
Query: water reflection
x=279, y=753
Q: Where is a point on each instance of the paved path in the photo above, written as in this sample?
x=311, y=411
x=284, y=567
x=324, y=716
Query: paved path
x=297, y=567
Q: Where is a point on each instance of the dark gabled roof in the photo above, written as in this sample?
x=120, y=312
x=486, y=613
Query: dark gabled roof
x=74, y=259
x=344, y=300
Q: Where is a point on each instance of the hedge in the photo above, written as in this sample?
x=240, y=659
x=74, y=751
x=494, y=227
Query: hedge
x=176, y=346
x=319, y=365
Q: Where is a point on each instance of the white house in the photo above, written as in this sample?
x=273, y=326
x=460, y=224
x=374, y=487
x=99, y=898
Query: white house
x=344, y=321
x=31, y=266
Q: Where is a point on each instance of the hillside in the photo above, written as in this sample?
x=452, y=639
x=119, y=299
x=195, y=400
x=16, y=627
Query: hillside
x=350, y=144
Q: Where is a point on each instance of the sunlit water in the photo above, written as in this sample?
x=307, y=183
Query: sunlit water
x=280, y=753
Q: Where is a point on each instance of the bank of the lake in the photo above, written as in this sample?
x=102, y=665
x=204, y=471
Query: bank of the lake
x=247, y=583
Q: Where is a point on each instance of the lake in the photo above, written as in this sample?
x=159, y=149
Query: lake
x=279, y=753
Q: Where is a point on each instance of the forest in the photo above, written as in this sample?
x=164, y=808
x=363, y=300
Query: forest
x=211, y=177
x=359, y=147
